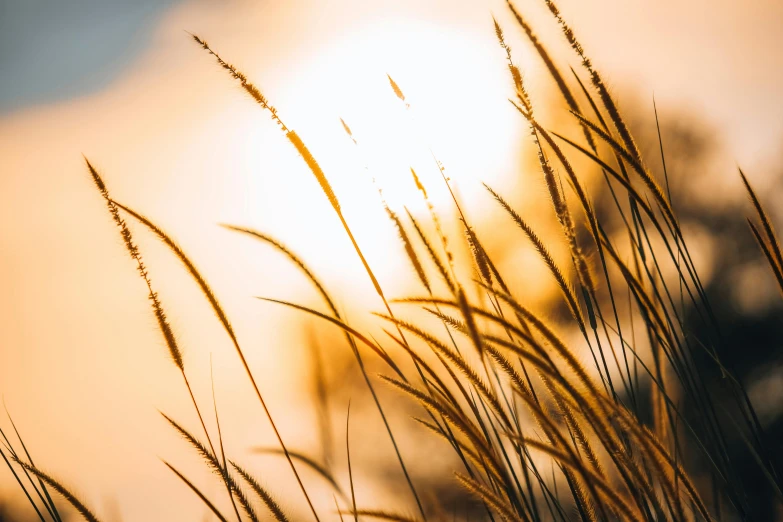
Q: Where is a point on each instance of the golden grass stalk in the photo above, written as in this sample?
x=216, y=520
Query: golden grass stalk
x=348, y=131
x=767, y=251
x=25, y=491
x=516, y=75
x=560, y=347
x=321, y=397
x=433, y=255
x=638, y=166
x=622, y=179
x=582, y=399
x=396, y=88
x=441, y=170
x=250, y=88
x=660, y=418
x=163, y=323
x=380, y=514
x=435, y=221
x=488, y=496
x=479, y=255
x=198, y=492
x=459, y=362
x=598, y=83
x=542, y=250
x=315, y=168
x=72, y=499
x=350, y=333
x=561, y=206
x=608, y=492
x=470, y=322
x=311, y=463
x=409, y=250
x=770, y=247
x=596, y=417
x=297, y=142
x=348, y=458
x=611, y=421
x=338, y=322
x=581, y=263
x=553, y=70
x=455, y=418
x=280, y=247
x=465, y=448
x=552, y=432
x=263, y=494
x=483, y=444
x=599, y=411
x=434, y=381
x=601, y=414
x=558, y=202
x=191, y=268
x=764, y=218
x=573, y=424
x=212, y=461
x=639, y=202
x=643, y=297
x=46, y=498
x=451, y=321
x=221, y=315
x=508, y=367
x=660, y=458
x=160, y=316
x=526, y=336
x=223, y=462
x=337, y=509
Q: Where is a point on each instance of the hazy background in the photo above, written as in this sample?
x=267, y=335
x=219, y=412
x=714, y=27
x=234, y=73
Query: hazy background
x=82, y=368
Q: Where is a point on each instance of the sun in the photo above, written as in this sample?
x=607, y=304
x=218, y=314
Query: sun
x=443, y=122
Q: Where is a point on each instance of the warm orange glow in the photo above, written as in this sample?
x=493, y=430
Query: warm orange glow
x=177, y=140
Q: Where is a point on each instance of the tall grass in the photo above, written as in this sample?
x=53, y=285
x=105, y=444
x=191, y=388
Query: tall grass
x=537, y=434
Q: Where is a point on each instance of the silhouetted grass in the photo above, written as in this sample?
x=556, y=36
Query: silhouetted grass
x=504, y=387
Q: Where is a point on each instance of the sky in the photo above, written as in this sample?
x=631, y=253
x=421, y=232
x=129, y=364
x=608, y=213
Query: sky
x=82, y=369
x=53, y=51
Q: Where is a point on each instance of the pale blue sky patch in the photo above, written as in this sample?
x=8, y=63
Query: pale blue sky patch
x=53, y=50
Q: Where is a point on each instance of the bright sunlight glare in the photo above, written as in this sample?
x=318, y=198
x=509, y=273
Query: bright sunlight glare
x=440, y=70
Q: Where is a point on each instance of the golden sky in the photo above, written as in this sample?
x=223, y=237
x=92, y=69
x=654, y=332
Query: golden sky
x=82, y=368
